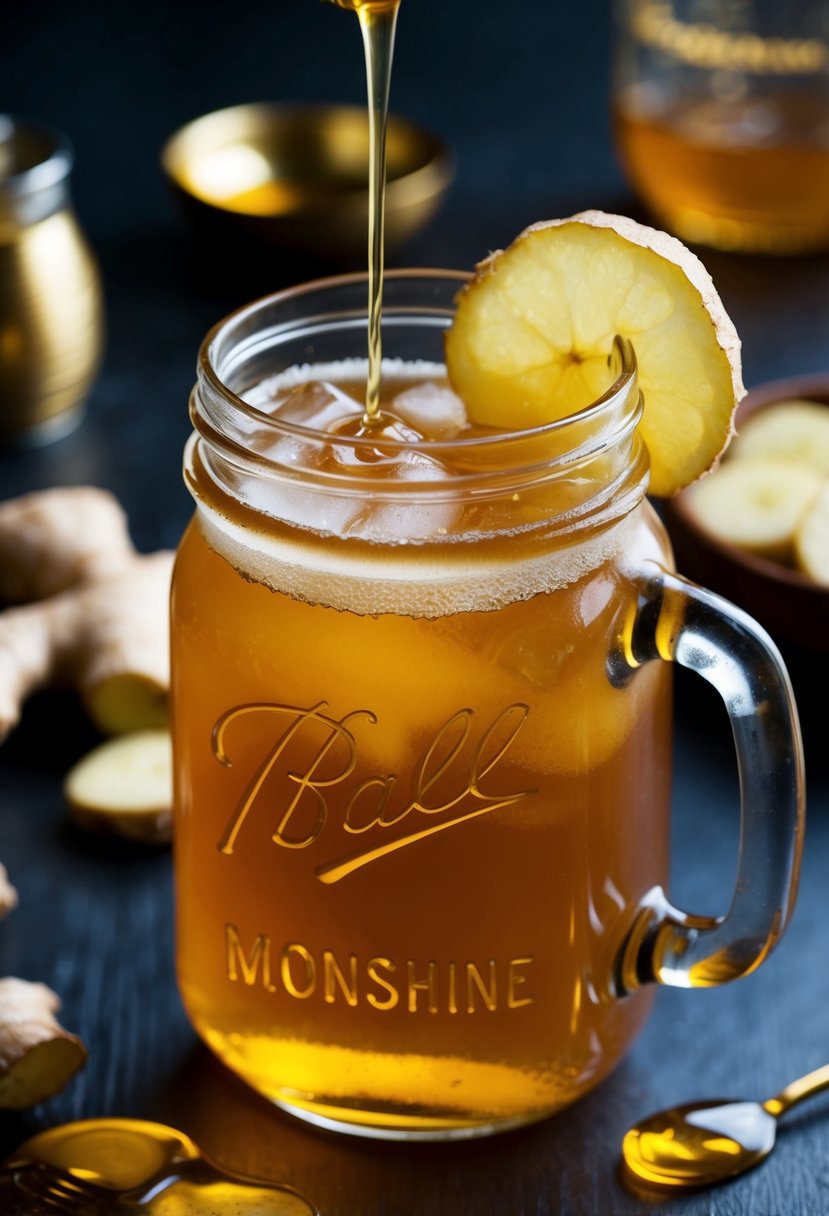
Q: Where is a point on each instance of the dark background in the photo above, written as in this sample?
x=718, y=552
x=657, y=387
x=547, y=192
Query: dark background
x=520, y=96
x=520, y=92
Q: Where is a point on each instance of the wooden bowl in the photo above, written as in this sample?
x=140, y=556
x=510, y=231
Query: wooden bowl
x=791, y=606
x=295, y=177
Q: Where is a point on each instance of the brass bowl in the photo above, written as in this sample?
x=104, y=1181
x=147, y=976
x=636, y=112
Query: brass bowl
x=295, y=177
x=792, y=607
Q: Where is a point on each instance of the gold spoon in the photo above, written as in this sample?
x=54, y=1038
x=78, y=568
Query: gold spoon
x=703, y=1143
x=92, y=1167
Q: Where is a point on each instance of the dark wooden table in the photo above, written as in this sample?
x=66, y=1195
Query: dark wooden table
x=522, y=97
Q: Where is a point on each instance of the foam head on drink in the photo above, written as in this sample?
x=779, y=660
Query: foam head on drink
x=412, y=806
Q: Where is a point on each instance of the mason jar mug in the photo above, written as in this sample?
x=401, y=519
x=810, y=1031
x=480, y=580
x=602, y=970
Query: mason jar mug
x=422, y=728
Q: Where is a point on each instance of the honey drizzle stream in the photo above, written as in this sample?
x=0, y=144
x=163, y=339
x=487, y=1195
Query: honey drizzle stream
x=378, y=21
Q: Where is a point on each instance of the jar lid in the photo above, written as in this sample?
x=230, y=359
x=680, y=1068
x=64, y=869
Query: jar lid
x=35, y=163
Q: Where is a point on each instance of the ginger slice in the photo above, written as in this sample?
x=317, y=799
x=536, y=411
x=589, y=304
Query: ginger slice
x=756, y=504
x=533, y=330
x=37, y=1056
x=812, y=539
x=789, y=430
x=125, y=787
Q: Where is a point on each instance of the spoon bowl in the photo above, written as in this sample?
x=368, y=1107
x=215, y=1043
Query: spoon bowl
x=703, y=1143
x=699, y=1144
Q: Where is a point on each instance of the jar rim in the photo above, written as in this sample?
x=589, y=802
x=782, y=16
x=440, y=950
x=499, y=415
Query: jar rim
x=209, y=375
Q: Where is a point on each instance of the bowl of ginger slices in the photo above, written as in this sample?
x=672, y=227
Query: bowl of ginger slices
x=757, y=528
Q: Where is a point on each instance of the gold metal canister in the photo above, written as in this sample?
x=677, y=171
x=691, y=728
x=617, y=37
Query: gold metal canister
x=51, y=315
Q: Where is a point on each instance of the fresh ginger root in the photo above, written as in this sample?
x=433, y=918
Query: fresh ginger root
x=37, y=1056
x=55, y=539
x=106, y=633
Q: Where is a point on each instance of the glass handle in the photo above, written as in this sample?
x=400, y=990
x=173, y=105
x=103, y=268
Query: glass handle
x=677, y=621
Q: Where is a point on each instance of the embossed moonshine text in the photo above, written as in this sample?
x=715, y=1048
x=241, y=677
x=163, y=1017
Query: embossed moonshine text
x=382, y=983
x=456, y=757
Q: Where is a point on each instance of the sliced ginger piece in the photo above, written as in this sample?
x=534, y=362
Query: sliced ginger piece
x=789, y=430
x=125, y=787
x=533, y=331
x=812, y=539
x=756, y=504
x=37, y=1056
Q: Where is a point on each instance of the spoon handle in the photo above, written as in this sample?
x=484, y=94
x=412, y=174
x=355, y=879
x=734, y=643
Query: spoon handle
x=803, y=1088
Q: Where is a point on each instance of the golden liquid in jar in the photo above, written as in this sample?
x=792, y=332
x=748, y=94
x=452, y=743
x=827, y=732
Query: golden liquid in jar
x=751, y=174
x=413, y=814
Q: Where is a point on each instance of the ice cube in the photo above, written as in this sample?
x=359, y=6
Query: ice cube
x=432, y=409
x=317, y=405
x=377, y=515
x=397, y=517
x=295, y=502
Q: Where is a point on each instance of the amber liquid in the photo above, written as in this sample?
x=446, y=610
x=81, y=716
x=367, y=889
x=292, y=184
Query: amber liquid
x=414, y=816
x=750, y=174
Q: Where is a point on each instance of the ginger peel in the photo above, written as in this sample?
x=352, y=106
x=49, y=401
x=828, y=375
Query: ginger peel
x=106, y=634
x=37, y=1056
x=55, y=539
